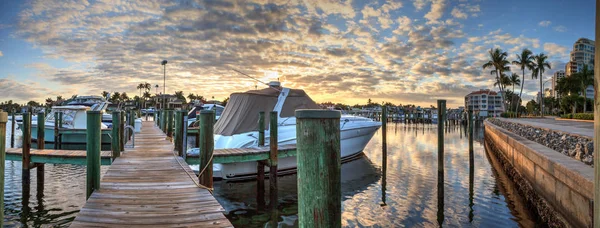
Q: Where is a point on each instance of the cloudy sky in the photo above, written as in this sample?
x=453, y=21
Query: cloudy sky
x=404, y=51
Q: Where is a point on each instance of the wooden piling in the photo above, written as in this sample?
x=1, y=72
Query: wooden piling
x=384, y=155
x=56, y=130
x=116, y=137
x=122, y=131
x=3, y=121
x=163, y=122
x=60, y=126
x=440, y=184
x=26, y=157
x=261, y=128
x=441, y=119
x=170, y=123
x=93, y=147
x=470, y=126
x=260, y=165
x=206, y=147
x=384, y=125
x=12, y=132
x=179, y=136
x=319, y=163
x=41, y=120
x=273, y=160
x=184, y=135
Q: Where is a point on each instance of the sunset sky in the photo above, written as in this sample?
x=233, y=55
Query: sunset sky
x=341, y=51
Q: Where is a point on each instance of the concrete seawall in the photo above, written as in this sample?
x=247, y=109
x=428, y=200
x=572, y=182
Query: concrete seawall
x=560, y=188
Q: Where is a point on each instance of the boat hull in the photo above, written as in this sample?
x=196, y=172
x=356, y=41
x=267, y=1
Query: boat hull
x=67, y=138
x=352, y=142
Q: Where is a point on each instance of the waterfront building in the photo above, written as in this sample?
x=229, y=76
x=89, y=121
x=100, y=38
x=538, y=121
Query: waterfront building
x=582, y=54
x=557, y=76
x=485, y=103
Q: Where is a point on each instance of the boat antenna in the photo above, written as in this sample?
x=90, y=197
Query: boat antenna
x=242, y=73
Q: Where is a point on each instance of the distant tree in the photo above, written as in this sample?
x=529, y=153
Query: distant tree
x=584, y=78
x=105, y=94
x=524, y=61
x=225, y=101
x=124, y=97
x=500, y=64
x=115, y=98
x=532, y=107
x=180, y=96
x=539, y=67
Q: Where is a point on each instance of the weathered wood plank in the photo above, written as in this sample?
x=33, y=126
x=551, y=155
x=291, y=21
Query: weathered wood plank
x=148, y=186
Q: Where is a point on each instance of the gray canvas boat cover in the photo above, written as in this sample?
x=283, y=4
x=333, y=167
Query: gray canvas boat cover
x=241, y=113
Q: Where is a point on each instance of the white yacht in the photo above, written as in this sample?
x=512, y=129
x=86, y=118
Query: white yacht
x=194, y=111
x=238, y=127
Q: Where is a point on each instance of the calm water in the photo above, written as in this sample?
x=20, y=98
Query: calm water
x=410, y=197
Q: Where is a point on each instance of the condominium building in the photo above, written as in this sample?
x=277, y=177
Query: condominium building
x=484, y=103
x=557, y=76
x=582, y=54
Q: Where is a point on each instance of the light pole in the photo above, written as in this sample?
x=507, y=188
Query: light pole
x=164, y=63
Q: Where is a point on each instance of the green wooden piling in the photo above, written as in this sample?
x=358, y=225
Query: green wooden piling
x=170, y=123
x=273, y=160
x=319, y=163
x=122, y=131
x=261, y=128
x=164, y=120
x=26, y=157
x=93, y=147
x=206, y=148
x=116, y=137
x=12, y=132
x=56, y=130
x=3, y=121
x=179, y=125
x=41, y=120
x=157, y=118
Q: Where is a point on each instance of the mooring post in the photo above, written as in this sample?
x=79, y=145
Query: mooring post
x=384, y=155
x=156, y=118
x=116, y=137
x=121, y=130
x=273, y=158
x=184, y=130
x=60, y=126
x=440, y=185
x=470, y=126
x=41, y=120
x=596, y=210
x=177, y=132
x=3, y=121
x=319, y=163
x=260, y=165
x=164, y=120
x=206, y=147
x=261, y=129
x=56, y=130
x=12, y=132
x=26, y=157
x=93, y=147
x=170, y=124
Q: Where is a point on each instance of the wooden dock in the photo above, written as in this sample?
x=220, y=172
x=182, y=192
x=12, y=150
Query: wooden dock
x=50, y=156
x=149, y=185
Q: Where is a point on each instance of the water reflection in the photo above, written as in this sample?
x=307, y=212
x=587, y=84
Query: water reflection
x=402, y=188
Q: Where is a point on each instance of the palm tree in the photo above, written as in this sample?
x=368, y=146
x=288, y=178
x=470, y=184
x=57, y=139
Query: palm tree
x=105, y=94
x=585, y=78
x=115, y=97
x=524, y=60
x=124, y=97
x=147, y=86
x=146, y=96
x=539, y=67
x=500, y=64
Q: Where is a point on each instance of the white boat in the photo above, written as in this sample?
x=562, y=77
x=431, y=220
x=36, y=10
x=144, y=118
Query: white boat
x=74, y=118
x=238, y=127
x=194, y=112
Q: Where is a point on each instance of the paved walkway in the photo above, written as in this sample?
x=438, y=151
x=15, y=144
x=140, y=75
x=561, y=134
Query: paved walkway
x=149, y=186
x=575, y=127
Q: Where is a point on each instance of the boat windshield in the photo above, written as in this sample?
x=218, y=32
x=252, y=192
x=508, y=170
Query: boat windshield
x=241, y=113
x=68, y=116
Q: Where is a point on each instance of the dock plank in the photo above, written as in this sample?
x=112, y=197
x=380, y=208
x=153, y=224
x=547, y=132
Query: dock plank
x=148, y=187
x=51, y=156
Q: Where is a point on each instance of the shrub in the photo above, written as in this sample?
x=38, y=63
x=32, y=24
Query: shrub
x=583, y=116
x=508, y=114
x=579, y=116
